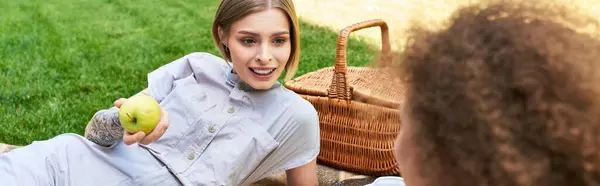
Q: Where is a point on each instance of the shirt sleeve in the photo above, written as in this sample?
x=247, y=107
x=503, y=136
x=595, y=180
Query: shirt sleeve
x=298, y=148
x=161, y=81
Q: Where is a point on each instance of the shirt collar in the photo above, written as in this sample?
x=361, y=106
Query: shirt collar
x=245, y=93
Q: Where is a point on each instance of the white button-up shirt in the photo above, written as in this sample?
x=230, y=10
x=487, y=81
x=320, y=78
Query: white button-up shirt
x=223, y=132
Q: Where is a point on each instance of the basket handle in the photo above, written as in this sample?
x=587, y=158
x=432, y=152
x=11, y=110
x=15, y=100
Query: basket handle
x=339, y=88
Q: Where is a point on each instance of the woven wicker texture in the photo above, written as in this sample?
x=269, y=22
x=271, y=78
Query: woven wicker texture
x=358, y=109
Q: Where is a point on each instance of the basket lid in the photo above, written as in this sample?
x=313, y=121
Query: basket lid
x=368, y=85
x=365, y=84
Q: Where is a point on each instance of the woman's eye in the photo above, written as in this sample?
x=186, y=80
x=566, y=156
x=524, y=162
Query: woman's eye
x=248, y=41
x=279, y=41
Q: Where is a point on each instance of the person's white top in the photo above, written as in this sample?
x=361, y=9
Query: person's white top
x=224, y=132
x=388, y=181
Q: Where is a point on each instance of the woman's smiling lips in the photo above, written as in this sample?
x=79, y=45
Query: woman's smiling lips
x=262, y=73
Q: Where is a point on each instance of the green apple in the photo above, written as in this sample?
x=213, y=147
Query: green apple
x=140, y=113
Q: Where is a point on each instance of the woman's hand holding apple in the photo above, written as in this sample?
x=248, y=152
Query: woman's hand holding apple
x=140, y=136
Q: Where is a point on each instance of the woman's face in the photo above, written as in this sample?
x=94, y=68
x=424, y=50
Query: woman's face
x=260, y=47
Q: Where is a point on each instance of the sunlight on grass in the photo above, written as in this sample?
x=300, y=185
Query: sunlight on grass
x=399, y=13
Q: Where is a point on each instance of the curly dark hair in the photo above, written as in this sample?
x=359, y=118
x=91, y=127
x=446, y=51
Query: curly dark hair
x=506, y=95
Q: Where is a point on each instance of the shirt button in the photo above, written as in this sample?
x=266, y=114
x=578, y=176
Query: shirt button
x=191, y=156
x=212, y=129
x=231, y=110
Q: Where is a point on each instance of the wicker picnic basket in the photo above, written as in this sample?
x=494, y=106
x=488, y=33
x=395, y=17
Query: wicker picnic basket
x=358, y=109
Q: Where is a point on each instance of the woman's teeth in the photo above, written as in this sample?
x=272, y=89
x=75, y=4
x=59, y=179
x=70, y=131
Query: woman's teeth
x=262, y=72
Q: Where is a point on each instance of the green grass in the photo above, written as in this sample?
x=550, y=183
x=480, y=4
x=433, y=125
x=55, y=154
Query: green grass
x=63, y=60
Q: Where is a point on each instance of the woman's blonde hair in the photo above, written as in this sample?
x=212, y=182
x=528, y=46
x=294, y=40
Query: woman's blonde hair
x=232, y=10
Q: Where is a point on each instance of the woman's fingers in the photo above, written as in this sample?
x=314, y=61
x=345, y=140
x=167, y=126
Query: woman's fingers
x=130, y=139
x=119, y=102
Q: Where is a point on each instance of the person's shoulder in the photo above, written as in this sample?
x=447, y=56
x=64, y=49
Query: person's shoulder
x=204, y=62
x=302, y=111
x=204, y=56
x=194, y=61
x=205, y=59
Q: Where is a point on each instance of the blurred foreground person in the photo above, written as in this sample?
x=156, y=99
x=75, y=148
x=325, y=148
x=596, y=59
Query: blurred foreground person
x=505, y=95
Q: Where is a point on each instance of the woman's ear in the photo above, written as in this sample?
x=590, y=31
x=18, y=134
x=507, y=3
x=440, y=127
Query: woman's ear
x=222, y=35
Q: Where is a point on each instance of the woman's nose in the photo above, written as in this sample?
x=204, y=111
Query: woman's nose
x=264, y=54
